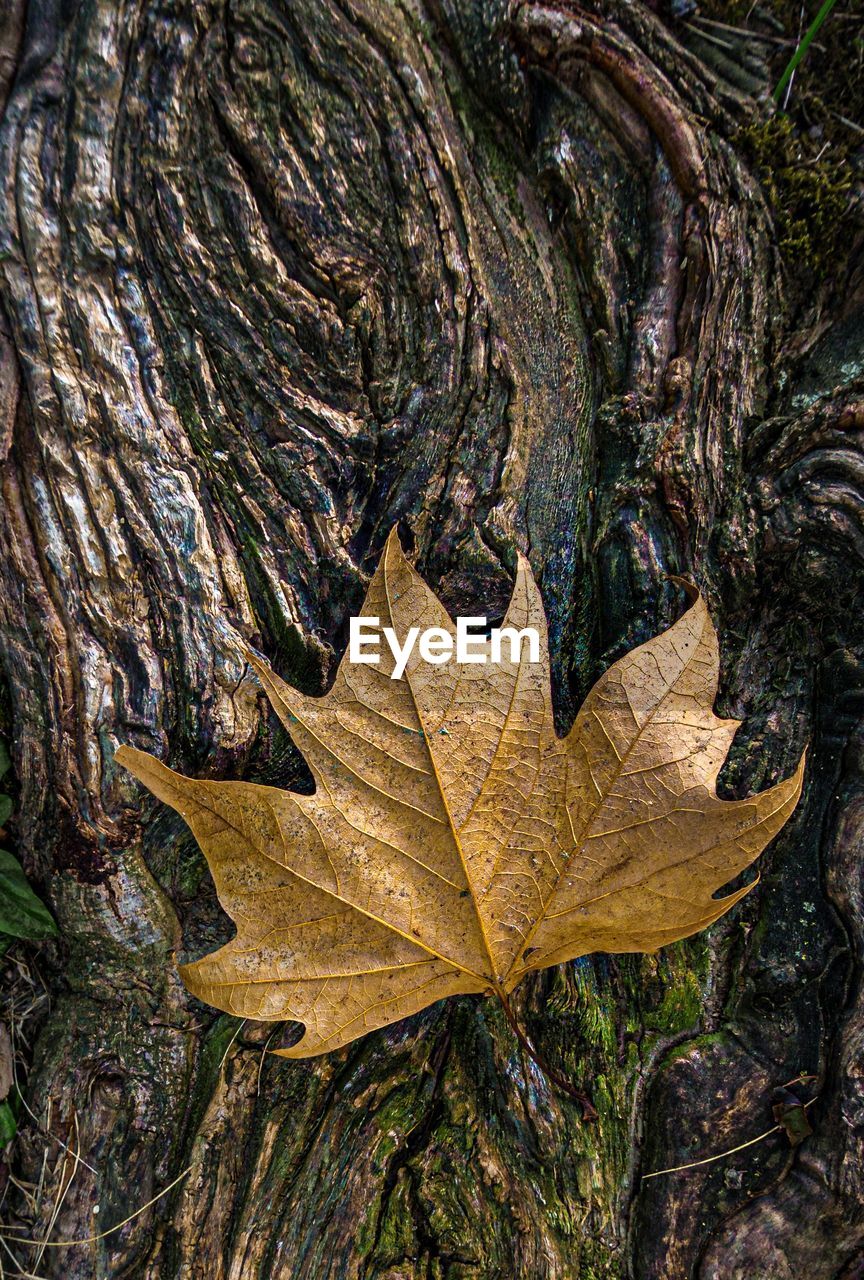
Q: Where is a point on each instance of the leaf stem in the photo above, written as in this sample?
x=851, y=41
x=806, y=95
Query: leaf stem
x=589, y=1111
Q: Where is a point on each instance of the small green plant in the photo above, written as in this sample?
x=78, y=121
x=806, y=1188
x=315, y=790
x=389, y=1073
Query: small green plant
x=22, y=915
x=803, y=45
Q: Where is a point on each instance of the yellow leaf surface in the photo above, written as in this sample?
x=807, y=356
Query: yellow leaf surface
x=454, y=842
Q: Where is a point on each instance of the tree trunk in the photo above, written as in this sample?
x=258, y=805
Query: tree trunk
x=277, y=276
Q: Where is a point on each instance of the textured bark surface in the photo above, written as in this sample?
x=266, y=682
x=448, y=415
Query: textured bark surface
x=276, y=276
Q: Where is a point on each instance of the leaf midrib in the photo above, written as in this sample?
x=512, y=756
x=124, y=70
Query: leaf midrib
x=492, y=975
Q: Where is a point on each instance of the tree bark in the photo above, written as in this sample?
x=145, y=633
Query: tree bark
x=277, y=276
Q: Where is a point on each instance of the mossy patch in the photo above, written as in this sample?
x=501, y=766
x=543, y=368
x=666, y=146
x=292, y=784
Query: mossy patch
x=808, y=195
x=806, y=153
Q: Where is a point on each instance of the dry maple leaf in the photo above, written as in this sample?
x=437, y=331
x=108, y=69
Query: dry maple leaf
x=454, y=843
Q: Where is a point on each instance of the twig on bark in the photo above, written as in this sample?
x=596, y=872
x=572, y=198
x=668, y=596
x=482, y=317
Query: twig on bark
x=721, y=1155
x=69, y=1244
